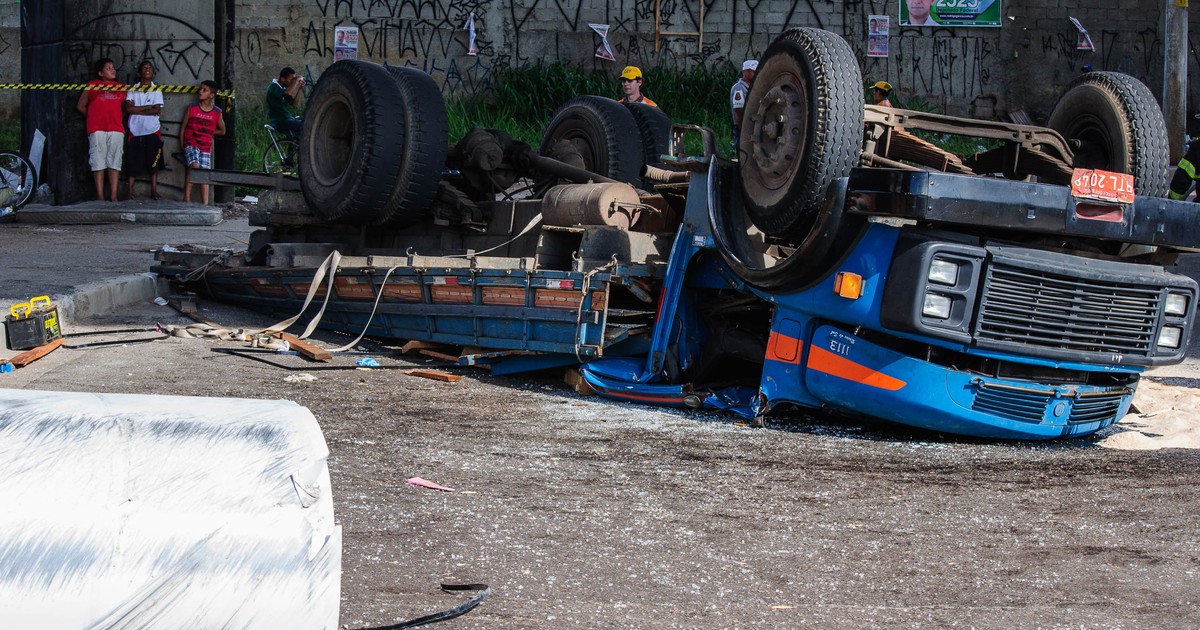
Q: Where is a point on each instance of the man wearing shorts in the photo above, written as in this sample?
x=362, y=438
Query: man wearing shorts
x=144, y=154
x=106, y=131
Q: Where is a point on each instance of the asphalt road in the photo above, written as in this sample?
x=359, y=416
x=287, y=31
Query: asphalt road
x=588, y=513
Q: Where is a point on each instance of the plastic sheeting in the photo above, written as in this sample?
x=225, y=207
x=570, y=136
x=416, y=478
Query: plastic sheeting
x=164, y=512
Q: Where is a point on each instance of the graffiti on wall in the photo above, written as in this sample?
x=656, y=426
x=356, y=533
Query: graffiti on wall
x=155, y=36
x=942, y=66
x=956, y=68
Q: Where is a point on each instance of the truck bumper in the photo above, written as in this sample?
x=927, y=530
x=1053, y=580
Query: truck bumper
x=851, y=373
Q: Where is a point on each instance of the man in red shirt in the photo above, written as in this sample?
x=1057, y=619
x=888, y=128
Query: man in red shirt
x=104, y=109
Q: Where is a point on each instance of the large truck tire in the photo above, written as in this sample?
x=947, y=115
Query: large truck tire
x=802, y=129
x=768, y=265
x=423, y=156
x=352, y=144
x=654, y=127
x=603, y=132
x=1118, y=126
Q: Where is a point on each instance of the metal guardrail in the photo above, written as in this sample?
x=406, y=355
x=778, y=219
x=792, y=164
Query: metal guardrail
x=276, y=181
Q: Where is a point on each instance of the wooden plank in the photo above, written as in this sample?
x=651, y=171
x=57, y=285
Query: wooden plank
x=415, y=345
x=434, y=354
x=312, y=351
x=573, y=378
x=435, y=375
x=29, y=356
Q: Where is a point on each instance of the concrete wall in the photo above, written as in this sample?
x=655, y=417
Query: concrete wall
x=10, y=57
x=986, y=72
x=62, y=42
x=969, y=71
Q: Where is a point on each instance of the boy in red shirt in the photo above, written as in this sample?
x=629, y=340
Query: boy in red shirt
x=202, y=122
x=104, y=110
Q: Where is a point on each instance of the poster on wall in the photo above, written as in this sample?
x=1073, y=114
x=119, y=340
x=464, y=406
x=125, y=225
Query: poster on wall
x=604, y=50
x=877, y=35
x=470, y=26
x=1083, y=41
x=950, y=13
x=345, y=42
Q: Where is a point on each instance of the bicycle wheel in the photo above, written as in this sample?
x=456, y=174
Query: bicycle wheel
x=18, y=178
x=281, y=160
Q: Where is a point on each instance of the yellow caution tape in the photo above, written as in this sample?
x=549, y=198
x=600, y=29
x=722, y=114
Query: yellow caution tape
x=136, y=87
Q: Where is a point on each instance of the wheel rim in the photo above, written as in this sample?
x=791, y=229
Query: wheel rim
x=1095, y=143
x=778, y=133
x=334, y=132
x=17, y=177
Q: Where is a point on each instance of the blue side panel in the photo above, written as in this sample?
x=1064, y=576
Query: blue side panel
x=870, y=259
x=783, y=371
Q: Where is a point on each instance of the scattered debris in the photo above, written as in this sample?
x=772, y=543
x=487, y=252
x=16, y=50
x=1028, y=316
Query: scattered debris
x=310, y=350
x=417, y=481
x=29, y=356
x=302, y=377
x=575, y=379
x=430, y=349
x=366, y=362
x=435, y=375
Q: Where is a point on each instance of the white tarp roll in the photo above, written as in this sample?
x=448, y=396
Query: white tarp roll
x=128, y=511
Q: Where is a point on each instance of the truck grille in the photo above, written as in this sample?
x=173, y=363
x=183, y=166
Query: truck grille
x=1093, y=408
x=1025, y=405
x=1033, y=307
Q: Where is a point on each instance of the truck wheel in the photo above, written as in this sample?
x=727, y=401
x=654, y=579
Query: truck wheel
x=767, y=264
x=423, y=155
x=352, y=144
x=802, y=129
x=604, y=133
x=1118, y=126
x=654, y=127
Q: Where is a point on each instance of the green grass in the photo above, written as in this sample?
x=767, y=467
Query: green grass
x=522, y=100
x=10, y=134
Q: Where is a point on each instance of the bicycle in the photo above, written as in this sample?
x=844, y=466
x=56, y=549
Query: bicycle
x=281, y=155
x=18, y=180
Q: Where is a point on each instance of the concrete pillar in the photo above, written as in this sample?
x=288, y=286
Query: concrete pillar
x=1174, y=100
x=61, y=41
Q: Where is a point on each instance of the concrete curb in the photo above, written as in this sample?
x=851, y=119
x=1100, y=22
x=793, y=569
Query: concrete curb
x=107, y=296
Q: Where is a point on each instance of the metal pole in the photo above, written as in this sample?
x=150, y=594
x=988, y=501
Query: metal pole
x=1174, y=100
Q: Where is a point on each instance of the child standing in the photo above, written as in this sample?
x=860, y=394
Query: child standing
x=105, y=127
x=202, y=121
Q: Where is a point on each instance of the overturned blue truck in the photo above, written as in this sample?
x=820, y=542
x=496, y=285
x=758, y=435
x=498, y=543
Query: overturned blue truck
x=840, y=262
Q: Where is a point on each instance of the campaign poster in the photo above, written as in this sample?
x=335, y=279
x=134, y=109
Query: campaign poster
x=950, y=13
x=345, y=42
x=604, y=50
x=877, y=35
x=1083, y=41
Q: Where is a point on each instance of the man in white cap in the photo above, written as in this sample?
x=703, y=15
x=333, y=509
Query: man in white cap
x=737, y=96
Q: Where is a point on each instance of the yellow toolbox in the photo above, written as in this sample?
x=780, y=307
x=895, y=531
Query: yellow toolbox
x=32, y=324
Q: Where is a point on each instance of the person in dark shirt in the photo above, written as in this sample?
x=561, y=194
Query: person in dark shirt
x=283, y=97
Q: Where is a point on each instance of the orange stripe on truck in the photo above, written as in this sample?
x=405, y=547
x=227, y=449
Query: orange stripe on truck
x=783, y=348
x=822, y=360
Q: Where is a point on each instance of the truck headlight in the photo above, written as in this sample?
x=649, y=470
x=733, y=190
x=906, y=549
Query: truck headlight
x=943, y=272
x=1170, y=336
x=936, y=305
x=1177, y=304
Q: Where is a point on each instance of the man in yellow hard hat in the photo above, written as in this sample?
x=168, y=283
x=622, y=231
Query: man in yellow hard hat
x=631, y=85
x=883, y=90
